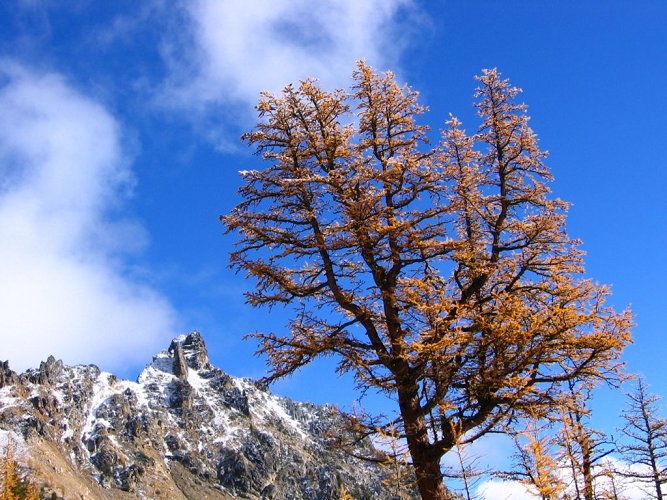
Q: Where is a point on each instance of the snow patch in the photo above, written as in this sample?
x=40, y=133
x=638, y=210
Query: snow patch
x=196, y=381
x=270, y=407
x=11, y=438
x=101, y=392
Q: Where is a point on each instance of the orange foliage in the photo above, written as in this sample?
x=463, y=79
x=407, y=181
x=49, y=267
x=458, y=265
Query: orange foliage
x=13, y=484
x=442, y=274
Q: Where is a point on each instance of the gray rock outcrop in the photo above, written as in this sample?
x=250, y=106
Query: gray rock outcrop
x=184, y=429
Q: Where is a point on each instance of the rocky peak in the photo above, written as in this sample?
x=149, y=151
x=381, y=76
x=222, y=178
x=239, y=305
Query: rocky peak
x=49, y=371
x=7, y=376
x=189, y=351
x=185, y=428
x=185, y=353
x=180, y=362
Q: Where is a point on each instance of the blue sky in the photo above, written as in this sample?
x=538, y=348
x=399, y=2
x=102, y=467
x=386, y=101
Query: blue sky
x=119, y=148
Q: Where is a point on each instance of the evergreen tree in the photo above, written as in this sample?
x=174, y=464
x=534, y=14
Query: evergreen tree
x=583, y=447
x=646, y=432
x=442, y=276
x=536, y=463
x=14, y=485
x=465, y=470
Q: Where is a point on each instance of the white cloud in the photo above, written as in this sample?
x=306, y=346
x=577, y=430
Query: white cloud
x=62, y=288
x=242, y=48
x=496, y=489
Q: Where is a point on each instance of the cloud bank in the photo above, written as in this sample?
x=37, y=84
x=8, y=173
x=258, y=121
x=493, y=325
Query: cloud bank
x=63, y=290
x=241, y=48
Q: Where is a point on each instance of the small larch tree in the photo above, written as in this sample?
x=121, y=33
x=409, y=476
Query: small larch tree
x=582, y=447
x=536, y=464
x=646, y=435
x=465, y=470
x=440, y=275
x=14, y=484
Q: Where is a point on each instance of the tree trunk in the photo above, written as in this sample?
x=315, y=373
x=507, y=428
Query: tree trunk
x=588, y=479
x=425, y=460
x=429, y=480
x=587, y=469
x=658, y=487
x=654, y=465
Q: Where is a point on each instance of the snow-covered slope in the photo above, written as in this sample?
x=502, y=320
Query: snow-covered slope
x=185, y=429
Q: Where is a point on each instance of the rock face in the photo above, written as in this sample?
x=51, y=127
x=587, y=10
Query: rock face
x=185, y=429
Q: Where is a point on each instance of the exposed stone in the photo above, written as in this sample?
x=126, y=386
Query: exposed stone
x=180, y=363
x=49, y=371
x=196, y=352
x=185, y=429
x=7, y=376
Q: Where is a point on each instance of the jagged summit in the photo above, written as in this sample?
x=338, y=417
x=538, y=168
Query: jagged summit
x=185, y=351
x=184, y=429
x=193, y=348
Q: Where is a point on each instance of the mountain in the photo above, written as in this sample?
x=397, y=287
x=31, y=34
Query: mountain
x=184, y=429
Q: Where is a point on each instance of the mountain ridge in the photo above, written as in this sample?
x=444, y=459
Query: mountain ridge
x=183, y=429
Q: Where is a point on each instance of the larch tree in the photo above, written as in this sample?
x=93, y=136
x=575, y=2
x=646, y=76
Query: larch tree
x=646, y=448
x=583, y=447
x=440, y=275
x=14, y=485
x=399, y=478
x=9, y=475
x=465, y=470
x=536, y=462
x=612, y=489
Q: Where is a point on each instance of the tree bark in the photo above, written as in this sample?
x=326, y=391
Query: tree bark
x=588, y=476
x=425, y=460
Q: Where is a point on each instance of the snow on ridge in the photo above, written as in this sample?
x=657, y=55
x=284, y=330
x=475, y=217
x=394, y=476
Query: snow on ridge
x=107, y=385
x=101, y=392
x=68, y=433
x=17, y=441
x=163, y=361
x=157, y=379
x=137, y=389
x=243, y=383
x=269, y=405
x=159, y=370
x=6, y=399
x=180, y=338
x=196, y=382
